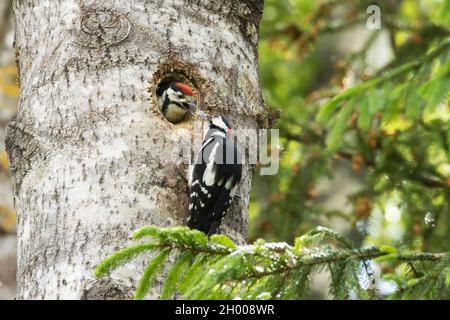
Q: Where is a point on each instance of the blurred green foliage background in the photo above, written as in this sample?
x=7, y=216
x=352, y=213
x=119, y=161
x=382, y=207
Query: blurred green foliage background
x=365, y=134
x=364, y=126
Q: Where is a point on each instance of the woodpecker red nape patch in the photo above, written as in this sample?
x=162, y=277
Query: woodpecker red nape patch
x=185, y=88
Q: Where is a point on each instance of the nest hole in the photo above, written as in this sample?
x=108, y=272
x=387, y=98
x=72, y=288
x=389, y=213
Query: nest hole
x=177, y=97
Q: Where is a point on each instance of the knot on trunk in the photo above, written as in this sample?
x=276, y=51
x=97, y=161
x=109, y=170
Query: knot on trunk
x=102, y=27
x=107, y=289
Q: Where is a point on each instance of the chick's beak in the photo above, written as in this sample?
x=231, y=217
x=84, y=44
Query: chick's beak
x=190, y=106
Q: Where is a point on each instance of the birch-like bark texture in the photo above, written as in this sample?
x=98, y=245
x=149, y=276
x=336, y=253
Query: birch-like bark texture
x=92, y=159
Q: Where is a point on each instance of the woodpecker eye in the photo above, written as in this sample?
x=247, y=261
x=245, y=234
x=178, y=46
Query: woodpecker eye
x=180, y=95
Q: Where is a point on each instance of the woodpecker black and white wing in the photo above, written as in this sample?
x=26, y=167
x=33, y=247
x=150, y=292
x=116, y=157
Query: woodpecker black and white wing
x=215, y=176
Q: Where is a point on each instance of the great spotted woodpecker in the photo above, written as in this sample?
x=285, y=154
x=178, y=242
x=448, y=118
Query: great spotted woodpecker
x=214, y=178
x=176, y=101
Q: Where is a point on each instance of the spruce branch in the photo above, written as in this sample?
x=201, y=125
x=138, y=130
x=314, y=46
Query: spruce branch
x=217, y=268
x=315, y=258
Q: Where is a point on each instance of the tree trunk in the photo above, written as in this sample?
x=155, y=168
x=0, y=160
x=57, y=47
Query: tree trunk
x=92, y=159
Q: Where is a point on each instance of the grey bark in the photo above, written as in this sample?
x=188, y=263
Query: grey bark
x=91, y=156
x=7, y=112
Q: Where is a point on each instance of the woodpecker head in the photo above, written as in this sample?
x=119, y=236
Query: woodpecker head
x=176, y=101
x=220, y=123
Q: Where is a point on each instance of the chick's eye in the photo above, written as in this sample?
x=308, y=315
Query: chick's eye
x=180, y=95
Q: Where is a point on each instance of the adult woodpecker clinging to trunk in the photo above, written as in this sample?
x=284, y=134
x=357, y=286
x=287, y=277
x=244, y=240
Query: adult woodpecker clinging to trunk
x=214, y=178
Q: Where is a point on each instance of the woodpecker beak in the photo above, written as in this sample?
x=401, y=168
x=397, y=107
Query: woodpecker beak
x=191, y=107
x=202, y=115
